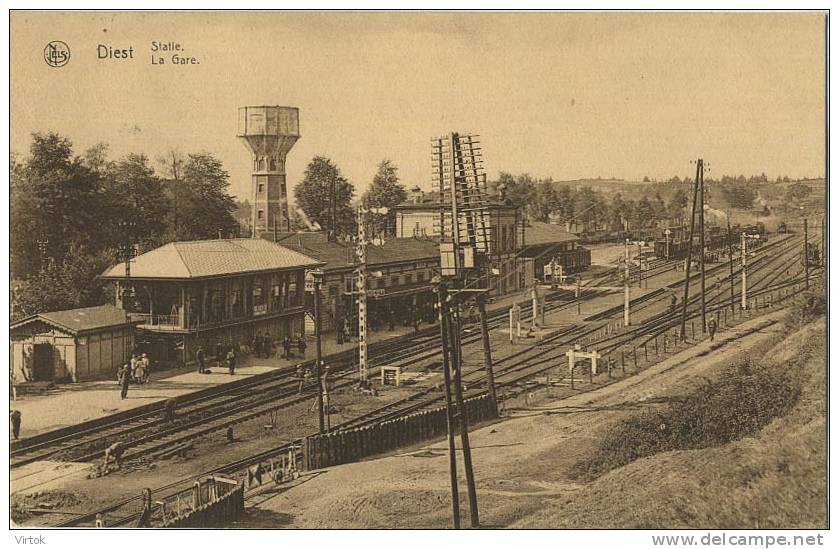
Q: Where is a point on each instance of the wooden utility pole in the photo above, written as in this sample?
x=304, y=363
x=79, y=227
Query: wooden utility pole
x=730, y=263
x=455, y=348
x=625, y=283
x=482, y=313
x=743, y=300
x=321, y=386
x=701, y=172
x=806, y=258
x=443, y=317
x=690, y=254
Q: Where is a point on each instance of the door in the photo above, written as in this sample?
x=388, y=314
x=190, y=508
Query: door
x=44, y=367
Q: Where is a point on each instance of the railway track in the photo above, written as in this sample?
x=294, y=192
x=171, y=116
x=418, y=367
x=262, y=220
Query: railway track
x=203, y=412
x=512, y=369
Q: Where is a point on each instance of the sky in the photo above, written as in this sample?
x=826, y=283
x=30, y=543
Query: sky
x=566, y=95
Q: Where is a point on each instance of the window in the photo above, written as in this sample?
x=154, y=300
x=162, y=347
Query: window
x=420, y=277
x=394, y=281
x=333, y=291
x=260, y=188
x=409, y=278
x=260, y=214
x=503, y=245
x=380, y=283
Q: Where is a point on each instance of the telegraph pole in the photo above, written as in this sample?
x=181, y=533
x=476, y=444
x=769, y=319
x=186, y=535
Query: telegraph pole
x=730, y=263
x=318, y=278
x=454, y=328
x=701, y=173
x=806, y=258
x=482, y=313
x=743, y=302
x=361, y=251
x=443, y=317
x=625, y=284
x=690, y=254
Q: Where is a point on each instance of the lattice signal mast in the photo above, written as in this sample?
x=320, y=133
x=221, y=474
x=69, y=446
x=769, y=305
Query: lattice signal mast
x=457, y=172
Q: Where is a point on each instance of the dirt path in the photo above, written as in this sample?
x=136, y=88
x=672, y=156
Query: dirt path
x=521, y=463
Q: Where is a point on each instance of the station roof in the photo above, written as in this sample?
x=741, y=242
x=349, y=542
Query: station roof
x=341, y=255
x=76, y=321
x=431, y=201
x=212, y=258
x=538, y=233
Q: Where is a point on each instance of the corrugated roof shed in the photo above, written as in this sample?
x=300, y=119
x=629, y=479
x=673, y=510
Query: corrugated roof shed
x=208, y=258
x=80, y=320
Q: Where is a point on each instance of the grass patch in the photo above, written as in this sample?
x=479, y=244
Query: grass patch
x=751, y=392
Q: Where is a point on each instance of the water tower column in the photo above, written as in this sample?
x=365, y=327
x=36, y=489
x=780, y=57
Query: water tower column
x=269, y=133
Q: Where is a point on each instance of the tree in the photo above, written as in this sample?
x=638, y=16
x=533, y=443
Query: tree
x=520, y=191
x=797, y=192
x=565, y=202
x=618, y=214
x=65, y=284
x=133, y=192
x=385, y=192
x=205, y=207
x=644, y=212
x=56, y=201
x=678, y=203
x=313, y=195
x=739, y=194
x=546, y=200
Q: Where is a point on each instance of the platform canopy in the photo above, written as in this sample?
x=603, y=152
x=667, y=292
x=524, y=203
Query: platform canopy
x=212, y=258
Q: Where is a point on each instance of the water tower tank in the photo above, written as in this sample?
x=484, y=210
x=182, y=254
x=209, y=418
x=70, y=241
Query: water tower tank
x=269, y=132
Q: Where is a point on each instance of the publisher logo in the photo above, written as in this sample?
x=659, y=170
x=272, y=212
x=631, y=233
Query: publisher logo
x=57, y=53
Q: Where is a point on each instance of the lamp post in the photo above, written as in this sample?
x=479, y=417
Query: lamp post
x=317, y=277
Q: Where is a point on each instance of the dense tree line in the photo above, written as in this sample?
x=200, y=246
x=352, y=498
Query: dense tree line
x=545, y=200
x=71, y=213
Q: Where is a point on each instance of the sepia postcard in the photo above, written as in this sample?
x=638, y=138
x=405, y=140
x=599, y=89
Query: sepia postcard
x=420, y=270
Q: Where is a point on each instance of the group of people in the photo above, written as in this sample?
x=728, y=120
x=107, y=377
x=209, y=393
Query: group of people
x=137, y=371
x=289, y=344
x=262, y=345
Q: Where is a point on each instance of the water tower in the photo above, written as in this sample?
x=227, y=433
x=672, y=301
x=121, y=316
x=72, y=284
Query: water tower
x=269, y=132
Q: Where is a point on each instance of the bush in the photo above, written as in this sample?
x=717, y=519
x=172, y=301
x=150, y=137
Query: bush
x=746, y=398
x=806, y=306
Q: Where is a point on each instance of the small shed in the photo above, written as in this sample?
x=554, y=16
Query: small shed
x=73, y=345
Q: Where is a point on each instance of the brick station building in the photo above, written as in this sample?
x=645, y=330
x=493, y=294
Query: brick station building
x=399, y=287
x=419, y=216
x=206, y=292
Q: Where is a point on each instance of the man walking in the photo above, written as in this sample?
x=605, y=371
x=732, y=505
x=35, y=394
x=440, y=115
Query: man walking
x=199, y=358
x=712, y=327
x=14, y=419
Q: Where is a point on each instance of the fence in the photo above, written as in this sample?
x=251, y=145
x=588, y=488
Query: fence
x=329, y=449
x=210, y=502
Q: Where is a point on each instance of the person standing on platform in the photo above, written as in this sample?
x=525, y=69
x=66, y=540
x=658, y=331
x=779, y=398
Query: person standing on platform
x=124, y=382
x=219, y=354
x=257, y=345
x=268, y=345
x=231, y=361
x=14, y=419
x=286, y=348
x=199, y=358
x=301, y=347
